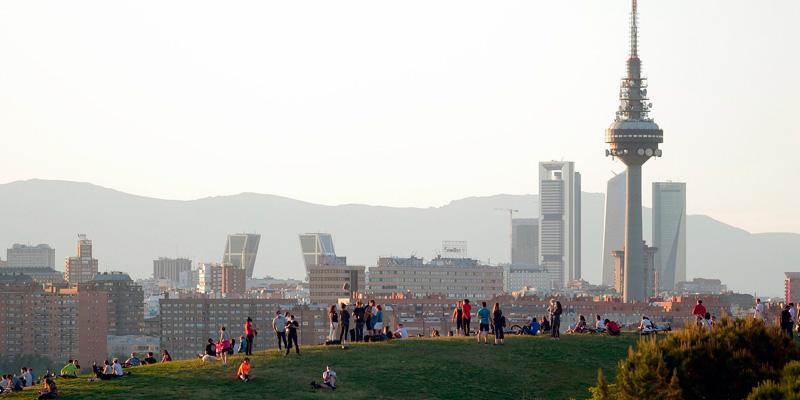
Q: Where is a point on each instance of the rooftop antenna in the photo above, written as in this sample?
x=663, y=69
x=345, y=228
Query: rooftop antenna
x=634, y=31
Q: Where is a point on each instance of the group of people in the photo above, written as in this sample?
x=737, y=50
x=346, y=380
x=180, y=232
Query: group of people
x=14, y=383
x=367, y=324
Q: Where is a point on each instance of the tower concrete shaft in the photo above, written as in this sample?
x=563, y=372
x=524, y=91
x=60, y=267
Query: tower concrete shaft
x=633, y=137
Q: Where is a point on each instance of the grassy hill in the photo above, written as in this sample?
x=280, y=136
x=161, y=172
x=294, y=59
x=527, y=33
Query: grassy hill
x=425, y=368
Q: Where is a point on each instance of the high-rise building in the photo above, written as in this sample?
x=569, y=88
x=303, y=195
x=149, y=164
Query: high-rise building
x=209, y=278
x=171, y=269
x=560, y=220
x=125, y=302
x=234, y=279
x=318, y=249
x=791, y=283
x=241, y=250
x=525, y=241
x=54, y=322
x=24, y=256
x=81, y=268
x=650, y=276
x=613, y=225
x=454, y=278
x=633, y=137
x=669, y=232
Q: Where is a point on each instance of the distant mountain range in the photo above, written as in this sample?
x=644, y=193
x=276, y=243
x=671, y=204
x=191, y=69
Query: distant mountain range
x=130, y=231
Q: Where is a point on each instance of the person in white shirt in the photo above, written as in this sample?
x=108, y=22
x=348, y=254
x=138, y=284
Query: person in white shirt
x=26, y=374
x=401, y=332
x=117, y=368
x=279, y=326
x=599, y=325
x=646, y=326
x=328, y=380
x=793, y=313
x=759, y=314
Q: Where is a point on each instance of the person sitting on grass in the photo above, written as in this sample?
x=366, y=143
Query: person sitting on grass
x=599, y=325
x=211, y=352
x=165, y=357
x=70, y=370
x=105, y=373
x=534, y=328
x=612, y=327
x=133, y=361
x=117, y=368
x=149, y=359
x=434, y=332
x=328, y=380
x=49, y=390
x=401, y=332
x=646, y=326
x=579, y=327
x=244, y=370
x=545, y=325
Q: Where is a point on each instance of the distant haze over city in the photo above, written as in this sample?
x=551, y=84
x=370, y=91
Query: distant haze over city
x=130, y=231
x=371, y=103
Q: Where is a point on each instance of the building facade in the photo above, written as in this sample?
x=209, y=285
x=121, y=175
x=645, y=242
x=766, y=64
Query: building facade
x=125, y=302
x=669, y=232
x=234, y=279
x=24, y=256
x=560, y=220
x=791, y=284
x=613, y=225
x=241, y=250
x=81, y=268
x=650, y=276
x=525, y=241
x=327, y=284
x=171, y=269
x=317, y=249
x=39, y=275
x=55, y=322
x=452, y=278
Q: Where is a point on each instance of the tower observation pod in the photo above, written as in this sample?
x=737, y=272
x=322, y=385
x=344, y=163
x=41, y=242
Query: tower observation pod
x=633, y=137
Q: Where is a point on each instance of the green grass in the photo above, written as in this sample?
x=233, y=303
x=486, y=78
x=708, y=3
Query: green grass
x=425, y=368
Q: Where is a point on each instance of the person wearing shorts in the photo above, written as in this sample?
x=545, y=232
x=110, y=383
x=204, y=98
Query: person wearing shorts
x=458, y=318
x=483, y=318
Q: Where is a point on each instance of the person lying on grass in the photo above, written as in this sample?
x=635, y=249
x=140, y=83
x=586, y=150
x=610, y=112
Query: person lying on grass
x=244, y=370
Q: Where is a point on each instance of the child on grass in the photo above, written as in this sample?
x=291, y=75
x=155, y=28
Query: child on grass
x=244, y=370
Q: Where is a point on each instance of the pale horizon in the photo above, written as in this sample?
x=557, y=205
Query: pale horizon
x=413, y=106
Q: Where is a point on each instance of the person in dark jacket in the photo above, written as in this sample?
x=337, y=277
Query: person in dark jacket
x=291, y=335
x=786, y=321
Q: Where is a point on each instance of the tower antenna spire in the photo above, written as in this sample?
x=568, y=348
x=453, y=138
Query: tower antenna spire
x=634, y=31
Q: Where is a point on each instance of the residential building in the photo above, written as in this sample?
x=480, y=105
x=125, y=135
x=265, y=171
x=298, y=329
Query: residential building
x=449, y=277
x=81, y=268
x=241, y=250
x=791, y=283
x=234, y=279
x=122, y=346
x=525, y=241
x=25, y=256
x=669, y=232
x=533, y=277
x=560, y=220
x=700, y=286
x=613, y=224
x=209, y=278
x=187, y=323
x=329, y=284
x=171, y=269
x=55, y=322
x=650, y=276
x=125, y=302
x=42, y=275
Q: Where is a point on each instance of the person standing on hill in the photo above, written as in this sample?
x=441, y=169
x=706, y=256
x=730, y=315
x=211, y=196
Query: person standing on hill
x=250, y=334
x=333, y=322
x=466, y=308
x=378, y=318
x=344, y=321
x=786, y=321
x=458, y=317
x=358, y=316
x=759, y=310
x=498, y=321
x=369, y=320
x=483, y=323
x=793, y=313
x=279, y=326
x=555, y=317
x=291, y=334
x=699, y=311
x=225, y=344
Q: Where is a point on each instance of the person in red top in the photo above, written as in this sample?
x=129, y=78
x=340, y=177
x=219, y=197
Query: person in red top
x=612, y=328
x=250, y=334
x=466, y=309
x=244, y=370
x=699, y=310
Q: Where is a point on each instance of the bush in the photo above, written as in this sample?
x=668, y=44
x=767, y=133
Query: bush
x=696, y=364
x=788, y=388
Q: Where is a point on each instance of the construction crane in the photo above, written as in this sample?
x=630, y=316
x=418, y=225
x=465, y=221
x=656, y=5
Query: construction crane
x=510, y=212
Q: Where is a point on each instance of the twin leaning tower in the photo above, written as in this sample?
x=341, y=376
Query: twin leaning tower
x=633, y=137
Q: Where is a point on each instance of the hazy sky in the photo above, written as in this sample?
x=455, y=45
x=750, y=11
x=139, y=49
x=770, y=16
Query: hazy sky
x=411, y=103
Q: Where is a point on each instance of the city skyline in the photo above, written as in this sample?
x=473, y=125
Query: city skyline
x=465, y=83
